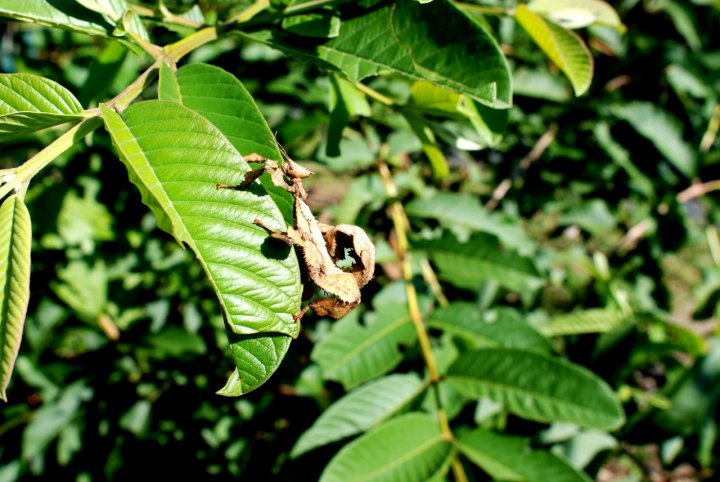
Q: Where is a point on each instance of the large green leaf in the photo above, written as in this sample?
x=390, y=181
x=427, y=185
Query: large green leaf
x=663, y=130
x=222, y=99
x=536, y=386
x=501, y=327
x=508, y=458
x=564, y=48
x=480, y=259
x=114, y=12
x=15, y=240
x=176, y=158
x=353, y=353
x=433, y=41
x=410, y=448
x=30, y=102
x=360, y=410
x=65, y=14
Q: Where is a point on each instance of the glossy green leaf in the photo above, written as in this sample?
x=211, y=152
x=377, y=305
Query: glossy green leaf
x=663, y=130
x=410, y=448
x=577, y=13
x=501, y=327
x=433, y=41
x=360, y=410
x=176, y=158
x=67, y=15
x=29, y=103
x=537, y=387
x=564, y=48
x=481, y=259
x=222, y=99
x=15, y=241
x=353, y=353
x=509, y=458
x=598, y=320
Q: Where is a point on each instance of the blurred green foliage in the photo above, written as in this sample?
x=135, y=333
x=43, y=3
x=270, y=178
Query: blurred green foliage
x=606, y=238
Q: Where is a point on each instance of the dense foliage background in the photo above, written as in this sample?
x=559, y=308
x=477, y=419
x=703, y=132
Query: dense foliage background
x=603, y=194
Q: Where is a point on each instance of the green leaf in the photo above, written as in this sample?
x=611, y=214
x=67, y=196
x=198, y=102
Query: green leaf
x=410, y=448
x=434, y=41
x=468, y=265
x=577, y=13
x=502, y=327
x=427, y=139
x=67, y=15
x=463, y=214
x=29, y=103
x=346, y=102
x=593, y=216
x=353, y=353
x=360, y=410
x=83, y=288
x=537, y=387
x=320, y=24
x=176, y=158
x=256, y=359
x=564, y=48
x=600, y=320
x=663, y=130
x=220, y=97
x=115, y=11
x=509, y=458
x=15, y=241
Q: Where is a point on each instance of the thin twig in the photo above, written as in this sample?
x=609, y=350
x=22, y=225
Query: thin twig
x=697, y=190
x=538, y=149
x=401, y=226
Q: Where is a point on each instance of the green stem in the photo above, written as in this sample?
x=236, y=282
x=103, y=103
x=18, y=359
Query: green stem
x=179, y=49
x=24, y=173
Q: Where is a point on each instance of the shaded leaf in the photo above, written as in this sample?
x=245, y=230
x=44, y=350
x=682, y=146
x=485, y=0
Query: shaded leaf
x=353, y=353
x=360, y=410
x=15, y=242
x=663, y=130
x=176, y=158
x=564, y=48
x=114, y=11
x=501, y=327
x=434, y=41
x=29, y=103
x=537, y=387
x=346, y=102
x=481, y=259
x=509, y=458
x=409, y=448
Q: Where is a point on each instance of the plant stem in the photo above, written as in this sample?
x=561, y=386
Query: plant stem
x=401, y=226
x=24, y=173
x=186, y=45
x=370, y=92
x=483, y=9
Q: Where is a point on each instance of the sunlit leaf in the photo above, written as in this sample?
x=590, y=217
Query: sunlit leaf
x=509, y=458
x=176, y=158
x=564, y=48
x=577, y=13
x=360, y=410
x=536, y=387
x=67, y=15
x=15, y=241
x=598, y=320
x=433, y=41
x=29, y=103
x=353, y=353
x=410, y=448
